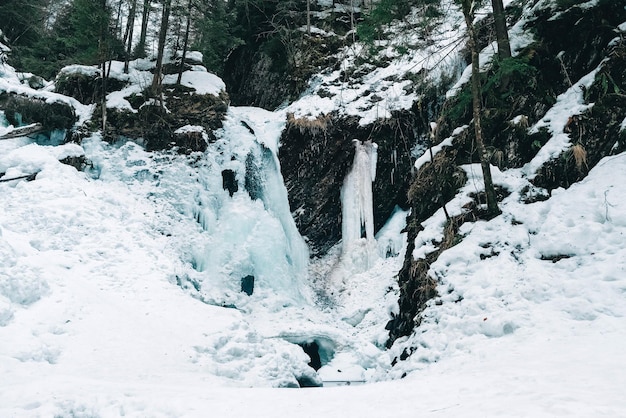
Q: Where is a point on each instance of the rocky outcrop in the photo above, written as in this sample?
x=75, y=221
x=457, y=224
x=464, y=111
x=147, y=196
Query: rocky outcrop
x=597, y=132
x=84, y=83
x=435, y=184
x=20, y=110
x=156, y=127
x=278, y=58
x=315, y=156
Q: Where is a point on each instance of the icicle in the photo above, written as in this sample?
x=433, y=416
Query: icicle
x=358, y=207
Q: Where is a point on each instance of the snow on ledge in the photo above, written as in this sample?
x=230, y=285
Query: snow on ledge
x=189, y=128
x=425, y=158
x=87, y=70
x=202, y=82
x=568, y=104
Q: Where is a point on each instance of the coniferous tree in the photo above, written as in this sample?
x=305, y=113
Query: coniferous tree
x=22, y=22
x=84, y=30
x=218, y=28
x=74, y=36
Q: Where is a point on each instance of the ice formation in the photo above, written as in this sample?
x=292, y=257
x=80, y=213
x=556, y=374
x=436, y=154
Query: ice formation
x=251, y=233
x=357, y=207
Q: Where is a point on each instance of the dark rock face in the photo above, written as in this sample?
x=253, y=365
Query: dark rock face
x=85, y=88
x=312, y=350
x=52, y=116
x=253, y=80
x=267, y=71
x=229, y=182
x=579, y=36
x=247, y=285
x=316, y=155
x=597, y=132
x=254, y=181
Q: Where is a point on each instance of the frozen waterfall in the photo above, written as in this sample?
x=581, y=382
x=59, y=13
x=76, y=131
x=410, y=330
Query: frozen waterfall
x=357, y=207
x=254, y=233
x=235, y=199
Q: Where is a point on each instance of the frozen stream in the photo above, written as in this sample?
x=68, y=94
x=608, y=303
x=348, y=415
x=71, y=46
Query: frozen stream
x=114, y=243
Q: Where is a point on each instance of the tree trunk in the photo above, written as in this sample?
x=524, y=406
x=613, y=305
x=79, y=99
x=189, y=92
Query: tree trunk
x=128, y=35
x=352, y=23
x=23, y=131
x=490, y=192
x=103, y=59
x=308, y=17
x=118, y=20
x=165, y=17
x=141, y=46
x=185, y=44
x=502, y=35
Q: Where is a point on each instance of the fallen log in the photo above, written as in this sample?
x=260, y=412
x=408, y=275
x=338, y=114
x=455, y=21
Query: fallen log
x=33, y=128
x=28, y=177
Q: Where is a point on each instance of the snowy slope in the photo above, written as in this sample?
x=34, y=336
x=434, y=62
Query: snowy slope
x=120, y=288
x=111, y=336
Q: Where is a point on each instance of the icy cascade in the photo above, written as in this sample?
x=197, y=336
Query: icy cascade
x=357, y=207
x=252, y=232
x=248, y=233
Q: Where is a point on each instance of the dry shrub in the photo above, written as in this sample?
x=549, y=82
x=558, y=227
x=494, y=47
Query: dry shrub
x=313, y=126
x=497, y=158
x=579, y=154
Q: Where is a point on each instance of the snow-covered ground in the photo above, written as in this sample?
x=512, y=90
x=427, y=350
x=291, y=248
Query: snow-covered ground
x=93, y=323
x=120, y=290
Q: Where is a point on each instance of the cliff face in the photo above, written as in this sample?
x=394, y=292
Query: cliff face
x=315, y=157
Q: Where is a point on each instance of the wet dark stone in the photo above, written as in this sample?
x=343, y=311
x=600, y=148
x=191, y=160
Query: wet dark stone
x=312, y=350
x=247, y=285
x=252, y=181
x=229, y=182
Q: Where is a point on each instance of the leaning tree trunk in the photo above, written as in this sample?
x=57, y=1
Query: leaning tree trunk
x=103, y=59
x=165, y=17
x=492, y=203
x=141, y=46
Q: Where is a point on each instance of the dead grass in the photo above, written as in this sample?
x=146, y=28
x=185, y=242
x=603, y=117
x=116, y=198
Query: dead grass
x=579, y=155
x=497, y=158
x=313, y=126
